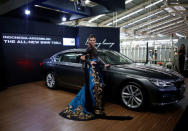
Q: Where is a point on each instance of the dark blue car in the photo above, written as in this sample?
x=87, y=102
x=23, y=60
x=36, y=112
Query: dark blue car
x=137, y=85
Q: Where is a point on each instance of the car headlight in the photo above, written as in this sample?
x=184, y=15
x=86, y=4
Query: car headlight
x=161, y=83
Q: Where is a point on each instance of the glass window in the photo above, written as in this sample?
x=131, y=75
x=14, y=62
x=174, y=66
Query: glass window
x=78, y=55
x=71, y=57
x=114, y=58
x=58, y=58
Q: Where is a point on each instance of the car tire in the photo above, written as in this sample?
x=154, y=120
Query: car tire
x=133, y=96
x=51, y=81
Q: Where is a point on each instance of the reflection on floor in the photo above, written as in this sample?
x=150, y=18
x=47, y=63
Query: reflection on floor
x=182, y=123
x=33, y=107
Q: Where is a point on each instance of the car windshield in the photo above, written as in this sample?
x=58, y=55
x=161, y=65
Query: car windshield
x=114, y=58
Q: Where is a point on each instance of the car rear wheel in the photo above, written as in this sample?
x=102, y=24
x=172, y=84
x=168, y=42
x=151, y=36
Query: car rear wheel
x=51, y=80
x=133, y=96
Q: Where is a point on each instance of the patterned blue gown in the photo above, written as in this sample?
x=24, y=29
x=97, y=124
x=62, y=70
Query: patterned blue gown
x=88, y=102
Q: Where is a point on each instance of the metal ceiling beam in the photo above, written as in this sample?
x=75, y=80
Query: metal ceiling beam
x=172, y=5
x=159, y=24
x=126, y=12
x=185, y=31
x=178, y=27
x=181, y=27
x=140, y=17
x=182, y=30
x=11, y=5
x=146, y=23
x=172, y=26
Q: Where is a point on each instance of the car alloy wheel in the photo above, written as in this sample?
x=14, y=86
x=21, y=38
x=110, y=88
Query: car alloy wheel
x=132, y=96
x=50, y=80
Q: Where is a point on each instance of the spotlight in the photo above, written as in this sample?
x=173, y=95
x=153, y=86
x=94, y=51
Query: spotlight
x=87, y=1
x=64, y=18
x=27, y=12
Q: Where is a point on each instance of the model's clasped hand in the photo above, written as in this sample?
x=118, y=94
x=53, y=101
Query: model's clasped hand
x=93, y=62
x=107, y=65
x=82, y=57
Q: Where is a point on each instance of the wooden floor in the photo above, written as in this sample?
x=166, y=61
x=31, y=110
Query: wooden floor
x=33, y=107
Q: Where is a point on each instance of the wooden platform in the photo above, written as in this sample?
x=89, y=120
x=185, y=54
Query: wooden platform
x=33, y=107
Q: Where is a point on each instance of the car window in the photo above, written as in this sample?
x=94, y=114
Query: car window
x=58, y=58
x=78, y=55
x=71, y=57
x=114, y=58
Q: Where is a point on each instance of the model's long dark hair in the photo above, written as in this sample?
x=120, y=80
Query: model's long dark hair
x=92, y=36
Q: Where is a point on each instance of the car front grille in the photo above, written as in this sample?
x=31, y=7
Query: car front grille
x=179, y=84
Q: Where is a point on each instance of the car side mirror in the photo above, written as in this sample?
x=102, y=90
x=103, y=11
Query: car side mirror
x=107, y=66
x=104, y=66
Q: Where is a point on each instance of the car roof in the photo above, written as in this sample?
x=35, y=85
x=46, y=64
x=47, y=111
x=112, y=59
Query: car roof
x=79, y=50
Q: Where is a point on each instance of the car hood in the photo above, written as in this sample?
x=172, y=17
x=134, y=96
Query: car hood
x=149, y=70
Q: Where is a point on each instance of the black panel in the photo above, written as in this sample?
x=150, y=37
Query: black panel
x=103, y=35
x=68, y=6
x=112, y=5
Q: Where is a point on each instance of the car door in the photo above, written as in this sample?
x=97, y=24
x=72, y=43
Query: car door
x=105, y=71
x=107, y=77
x=70, y=71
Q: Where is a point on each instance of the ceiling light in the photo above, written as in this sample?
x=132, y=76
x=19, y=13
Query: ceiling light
x=109, y=24
x=49, y=8
x=143, y=18
x=129, y=15
x=180, y=35
x=126, y=16
x=87, y=1
x=150, y=5
x=95, y=18
x=180, y=21
x=27, y=12
x=128, y=1
x=64, y=18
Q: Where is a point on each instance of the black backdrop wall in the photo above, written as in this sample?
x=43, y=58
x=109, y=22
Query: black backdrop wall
x=20, y=59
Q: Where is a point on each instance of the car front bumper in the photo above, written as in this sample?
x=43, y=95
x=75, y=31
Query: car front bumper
x=170, y=95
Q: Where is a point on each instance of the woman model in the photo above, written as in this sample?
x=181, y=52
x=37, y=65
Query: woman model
x=88, y=103
x=181, y=54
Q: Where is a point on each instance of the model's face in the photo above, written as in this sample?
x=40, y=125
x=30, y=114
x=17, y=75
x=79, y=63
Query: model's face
x=92, y=41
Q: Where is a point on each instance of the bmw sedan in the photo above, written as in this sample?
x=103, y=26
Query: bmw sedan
x=137, y=85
